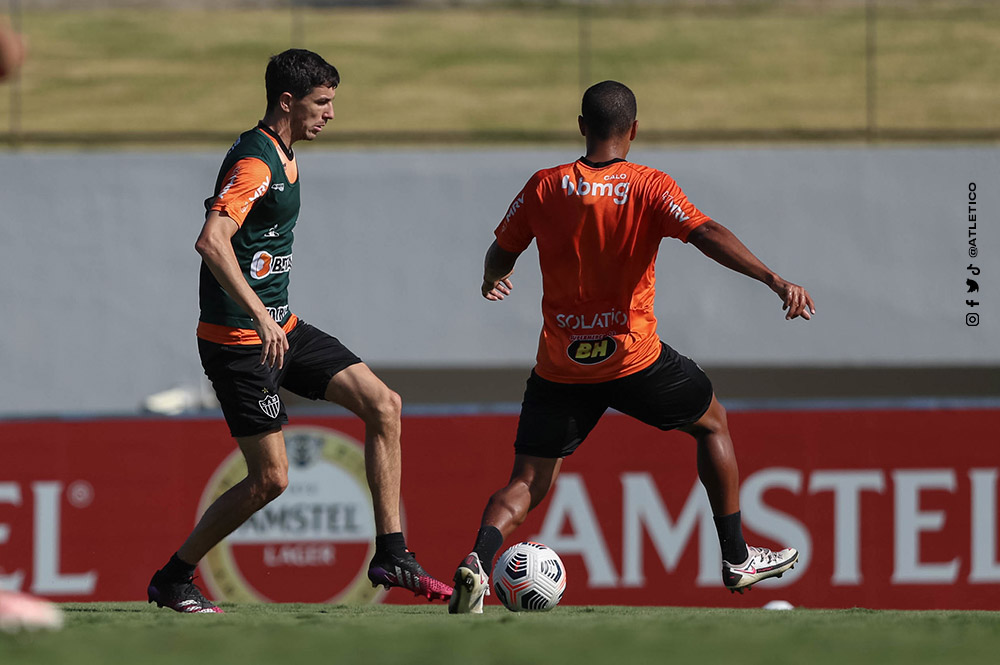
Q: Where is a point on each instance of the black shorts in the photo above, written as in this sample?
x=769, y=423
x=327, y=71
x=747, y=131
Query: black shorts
x=557, y=417
x=248, y=391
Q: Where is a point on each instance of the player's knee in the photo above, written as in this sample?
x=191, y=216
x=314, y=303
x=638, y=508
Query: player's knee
x=386, y=409
x=714, y=421
x=394, y=404
x=275, y=487
x=270, y=486
x=720, y=421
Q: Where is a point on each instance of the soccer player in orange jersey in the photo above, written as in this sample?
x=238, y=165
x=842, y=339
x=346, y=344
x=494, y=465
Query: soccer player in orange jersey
x=598, y=223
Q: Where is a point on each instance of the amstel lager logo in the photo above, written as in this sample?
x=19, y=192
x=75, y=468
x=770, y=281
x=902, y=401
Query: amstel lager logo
x=313, y=543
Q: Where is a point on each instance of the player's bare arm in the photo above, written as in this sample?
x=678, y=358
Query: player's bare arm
x=216, y=249
x=11, y=50
x=499, y=266
x=721, y=245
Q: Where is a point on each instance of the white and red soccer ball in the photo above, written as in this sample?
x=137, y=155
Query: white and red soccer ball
x=529, y=577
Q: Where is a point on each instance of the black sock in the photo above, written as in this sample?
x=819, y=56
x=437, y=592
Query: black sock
x=176, y=569
x=390, y=543
x=734, y=548
x=488, y=542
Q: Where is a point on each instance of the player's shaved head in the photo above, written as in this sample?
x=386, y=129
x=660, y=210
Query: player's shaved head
x=297, y=71
x=608, y=109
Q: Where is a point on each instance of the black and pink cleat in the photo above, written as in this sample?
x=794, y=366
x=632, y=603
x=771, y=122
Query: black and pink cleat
x=390, y=571
x=181, y=596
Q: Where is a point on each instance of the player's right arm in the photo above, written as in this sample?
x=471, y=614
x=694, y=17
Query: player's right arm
x=497, y=269
x=513, y=236
x=216, y=249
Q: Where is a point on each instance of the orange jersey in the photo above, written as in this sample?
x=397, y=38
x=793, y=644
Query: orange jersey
x=598, y=229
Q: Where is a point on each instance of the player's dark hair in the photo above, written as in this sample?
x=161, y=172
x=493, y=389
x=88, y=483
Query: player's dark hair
x=608, y=109
x=297, y=71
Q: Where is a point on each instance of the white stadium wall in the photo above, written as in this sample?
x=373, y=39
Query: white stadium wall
x=100, y=274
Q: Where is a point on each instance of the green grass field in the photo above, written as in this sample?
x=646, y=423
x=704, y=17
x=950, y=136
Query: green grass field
x=483, y=72
x=106, y=633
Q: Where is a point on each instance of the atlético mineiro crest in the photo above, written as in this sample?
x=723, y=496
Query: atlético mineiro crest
x=270, y=405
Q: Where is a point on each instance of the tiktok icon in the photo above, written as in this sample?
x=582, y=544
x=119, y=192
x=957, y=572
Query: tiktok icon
x=972, y=318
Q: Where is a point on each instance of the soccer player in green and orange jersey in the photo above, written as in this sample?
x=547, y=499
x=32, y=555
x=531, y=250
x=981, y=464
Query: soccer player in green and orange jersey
x=251, y=343
x=598, y=223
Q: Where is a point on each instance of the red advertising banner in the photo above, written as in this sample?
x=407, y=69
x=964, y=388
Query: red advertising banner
x=889, y=508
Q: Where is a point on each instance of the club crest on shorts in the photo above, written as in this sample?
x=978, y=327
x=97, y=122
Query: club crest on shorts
x=591, y=351
x=270, y=405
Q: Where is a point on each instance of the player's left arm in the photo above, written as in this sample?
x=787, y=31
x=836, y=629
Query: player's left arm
x=497, y=269
x=720, y=244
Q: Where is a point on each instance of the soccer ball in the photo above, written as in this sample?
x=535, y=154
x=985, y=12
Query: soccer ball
x=529, y=577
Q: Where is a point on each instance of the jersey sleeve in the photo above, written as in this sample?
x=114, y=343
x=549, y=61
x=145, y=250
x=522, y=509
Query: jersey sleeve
x=247, y=181
x=676, y=215
x=515, y=232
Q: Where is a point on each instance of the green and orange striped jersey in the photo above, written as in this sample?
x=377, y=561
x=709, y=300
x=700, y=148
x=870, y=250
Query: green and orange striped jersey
x=258, y=188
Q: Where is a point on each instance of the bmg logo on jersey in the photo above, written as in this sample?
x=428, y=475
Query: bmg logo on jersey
x=583, y=187
x=591, y=352
x=264, y=264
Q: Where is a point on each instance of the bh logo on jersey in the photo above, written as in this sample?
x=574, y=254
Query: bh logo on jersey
x=591, y=352
x=310, y=545
x=264, y=264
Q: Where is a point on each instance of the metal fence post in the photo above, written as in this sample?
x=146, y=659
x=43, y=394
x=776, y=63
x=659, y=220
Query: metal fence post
x=16, y=21
x=584, y=45
x=871, y=72
x=298, y=25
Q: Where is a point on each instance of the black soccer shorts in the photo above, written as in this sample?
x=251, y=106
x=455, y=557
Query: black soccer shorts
x=248, y=391
x=556, y=417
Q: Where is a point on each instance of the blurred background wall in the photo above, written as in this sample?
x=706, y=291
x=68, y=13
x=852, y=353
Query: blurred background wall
x=101, y=282
x=839, y=139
